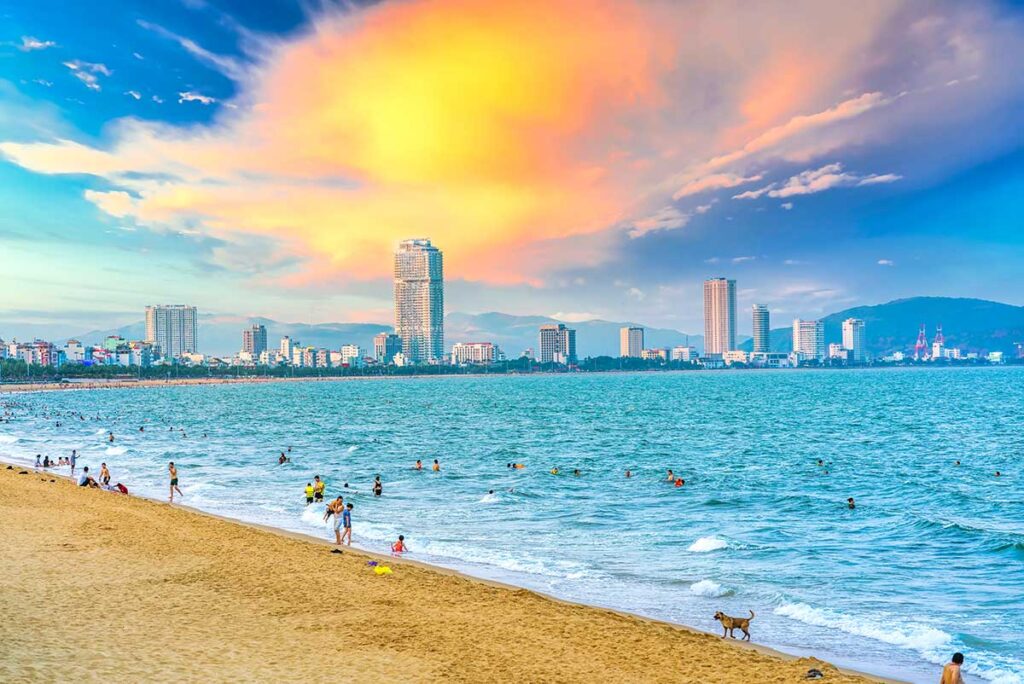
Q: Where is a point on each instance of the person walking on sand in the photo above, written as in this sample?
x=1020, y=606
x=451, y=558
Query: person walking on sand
x=951, y=672
x=104, y=474
x=173, y=472
x=346, y=524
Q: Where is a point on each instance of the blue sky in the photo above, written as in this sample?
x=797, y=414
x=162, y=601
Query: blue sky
x=263, y=158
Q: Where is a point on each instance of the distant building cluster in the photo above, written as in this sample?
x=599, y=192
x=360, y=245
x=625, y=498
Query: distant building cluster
x=171, y=337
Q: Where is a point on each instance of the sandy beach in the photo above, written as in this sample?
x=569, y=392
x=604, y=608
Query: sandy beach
x=98, y=585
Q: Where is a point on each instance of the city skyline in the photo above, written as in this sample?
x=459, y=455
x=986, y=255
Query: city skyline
x=816, y=177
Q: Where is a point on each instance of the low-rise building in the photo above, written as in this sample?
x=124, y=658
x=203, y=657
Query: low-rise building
x=464, y=353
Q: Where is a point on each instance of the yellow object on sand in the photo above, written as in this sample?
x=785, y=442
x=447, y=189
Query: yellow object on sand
x=382, y=570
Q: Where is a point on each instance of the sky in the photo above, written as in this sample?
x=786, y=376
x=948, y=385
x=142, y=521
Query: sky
x=592, y=159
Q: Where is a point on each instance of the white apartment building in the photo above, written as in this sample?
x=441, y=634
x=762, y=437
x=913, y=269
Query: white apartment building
x=719, y=315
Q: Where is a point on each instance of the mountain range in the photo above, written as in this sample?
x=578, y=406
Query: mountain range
x=972, y=324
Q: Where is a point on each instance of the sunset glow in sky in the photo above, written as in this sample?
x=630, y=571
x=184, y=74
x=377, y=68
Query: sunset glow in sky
x=585, y=159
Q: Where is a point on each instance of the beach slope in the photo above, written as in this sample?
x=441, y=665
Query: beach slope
x=97, y=585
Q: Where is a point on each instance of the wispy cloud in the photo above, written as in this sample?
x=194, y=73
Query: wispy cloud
x=229, y=66
x=743, y=259
x=88, y=72
x=192, y=96
x=817, y=180
x=134, y=94
x=666, y=218
x=786, y=205
x=886, y=262
x=28, y=44
x=715, y=181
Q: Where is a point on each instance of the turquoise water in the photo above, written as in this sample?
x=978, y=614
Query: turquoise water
x=930, y=561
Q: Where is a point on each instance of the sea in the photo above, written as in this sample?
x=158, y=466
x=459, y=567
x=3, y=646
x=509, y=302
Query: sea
x=930, y=560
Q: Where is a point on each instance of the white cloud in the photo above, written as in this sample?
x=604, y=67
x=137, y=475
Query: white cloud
x=28, y=44
x=133, y=94
x=704, y=208
x=666, y=218
x=636, y=293
x=817, y=180
x=43, y=82
x=793, y=262
x=116, y=203
x=88, y=72
x=192, y=96
x=743, y=259
x=886, y=262
x=157, y=99
x=712, y=260
x=136, y=55
x=715, y=181
x=228, y=66
x=787, y=205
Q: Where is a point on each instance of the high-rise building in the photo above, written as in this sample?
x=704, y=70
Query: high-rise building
x=287, y=345
x=631, y=342
x=385, y=346
x=557, y=344
x=762, y=328
x=173, y=328
x=719, y=315
x=853, y=339
x=254, y=340
x=419, y=300
x=809, y=339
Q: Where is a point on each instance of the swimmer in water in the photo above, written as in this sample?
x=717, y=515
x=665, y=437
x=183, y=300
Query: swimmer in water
x=142, y=429
x=490, y=492
x=436, y=467
x=957, y=463
x=399, y=546
x=282, y=459
x=309, y=493
x=680, y=482
x=554, y=471
x=998, y=474
x=821, y=462
x=419, y=465
x=671, y=476
x=378, y=486
x=111, y=438
x=628, y=473
x=576, y=472
x=850, y=504
x=318, y=488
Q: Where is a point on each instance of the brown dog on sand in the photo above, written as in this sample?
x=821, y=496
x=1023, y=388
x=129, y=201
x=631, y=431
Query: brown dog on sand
x=731, y=623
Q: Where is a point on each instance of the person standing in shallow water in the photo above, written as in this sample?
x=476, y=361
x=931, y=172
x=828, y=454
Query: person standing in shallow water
x=378, y=486
x=951, y=672
x=173, y=472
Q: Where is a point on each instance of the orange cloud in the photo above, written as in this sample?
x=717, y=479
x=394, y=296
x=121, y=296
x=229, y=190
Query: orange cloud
x=505, y=131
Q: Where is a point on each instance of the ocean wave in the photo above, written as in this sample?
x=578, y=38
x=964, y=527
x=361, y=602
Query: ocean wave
x=924, y=639
x=489, y=499
x=115, y=451
x=707, y=544
x=8, y=439
x=710, y=588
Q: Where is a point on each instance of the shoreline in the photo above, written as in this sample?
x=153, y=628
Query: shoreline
x=709, y=643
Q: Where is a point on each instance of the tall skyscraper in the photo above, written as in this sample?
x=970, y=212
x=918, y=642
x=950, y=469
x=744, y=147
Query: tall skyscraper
x=762, y=328
x=631, y=342
x=853, y=339
x=719, y=315
x=557, y=344
x=173, y=328
x=809, y=339
x=254, y=340
x=385, y=346
x=419, y=300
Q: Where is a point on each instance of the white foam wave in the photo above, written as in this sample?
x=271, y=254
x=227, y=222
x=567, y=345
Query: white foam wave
x=8, y=439
x=709, y=588
x=314, y=515
x=352, y=448
x=921, y=638
x=706, y=544
x=489, y=498
x=116, y=451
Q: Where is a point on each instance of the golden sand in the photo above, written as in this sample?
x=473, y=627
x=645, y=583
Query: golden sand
x=95, y=585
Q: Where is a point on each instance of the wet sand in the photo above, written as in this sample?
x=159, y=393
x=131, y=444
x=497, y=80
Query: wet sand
x=99, y=585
